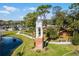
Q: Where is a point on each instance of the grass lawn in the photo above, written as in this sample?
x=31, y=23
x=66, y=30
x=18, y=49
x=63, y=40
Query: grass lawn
x=25, y=49
x=28, y=33
x=9, y=33
x=53, y=49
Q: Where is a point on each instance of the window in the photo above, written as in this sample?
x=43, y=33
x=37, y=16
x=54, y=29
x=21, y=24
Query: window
x=39, y=31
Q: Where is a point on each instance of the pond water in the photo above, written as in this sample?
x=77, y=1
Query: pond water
x=8, y=45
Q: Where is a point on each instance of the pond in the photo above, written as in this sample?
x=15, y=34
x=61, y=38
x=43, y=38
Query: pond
x=8, y=45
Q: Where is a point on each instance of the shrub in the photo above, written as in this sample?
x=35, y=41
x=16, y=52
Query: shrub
x=38, y=51
x=52, y=33
x=75, y=39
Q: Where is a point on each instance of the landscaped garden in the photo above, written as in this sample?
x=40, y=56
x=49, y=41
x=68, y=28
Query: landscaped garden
x=37, y=31
x=26, y=48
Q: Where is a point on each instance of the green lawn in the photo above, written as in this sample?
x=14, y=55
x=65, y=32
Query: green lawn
x=52, y=50
x=26, y=48
x=28, y=33
x=9, y=33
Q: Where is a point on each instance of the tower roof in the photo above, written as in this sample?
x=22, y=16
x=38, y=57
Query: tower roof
x=39, y=19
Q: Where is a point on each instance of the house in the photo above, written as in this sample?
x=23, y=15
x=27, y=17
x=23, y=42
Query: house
x=10, y=29
x=64, y=35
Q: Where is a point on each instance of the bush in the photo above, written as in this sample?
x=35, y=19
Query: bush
x=38, y=51
x=75, y=39
x=51, y=33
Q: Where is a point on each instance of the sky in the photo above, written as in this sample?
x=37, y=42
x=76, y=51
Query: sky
x=16, y=11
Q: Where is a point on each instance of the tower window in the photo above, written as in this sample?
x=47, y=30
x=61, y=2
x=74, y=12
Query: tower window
x=39, y=31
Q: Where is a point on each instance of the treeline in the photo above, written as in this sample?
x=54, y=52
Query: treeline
x=68, y=19
x=11, y=22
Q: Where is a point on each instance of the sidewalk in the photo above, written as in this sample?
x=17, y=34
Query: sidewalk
x=60, y=43
x=19, y=32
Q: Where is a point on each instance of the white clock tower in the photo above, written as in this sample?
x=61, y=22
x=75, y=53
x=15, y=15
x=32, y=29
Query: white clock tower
x=39, y=34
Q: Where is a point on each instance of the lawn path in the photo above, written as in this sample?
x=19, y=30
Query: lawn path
x=19, y=32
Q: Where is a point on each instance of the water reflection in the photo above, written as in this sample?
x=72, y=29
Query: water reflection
x=8, y=44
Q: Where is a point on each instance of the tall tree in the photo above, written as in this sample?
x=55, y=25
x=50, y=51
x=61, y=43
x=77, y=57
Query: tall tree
x=56, y=9
x=59, y=17
x=30, y=19
x=75, y=8
x=43, y=10
x=74, y=15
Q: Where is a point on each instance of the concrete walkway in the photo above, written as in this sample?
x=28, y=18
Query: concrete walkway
x=60, y=43
x=19, y=32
